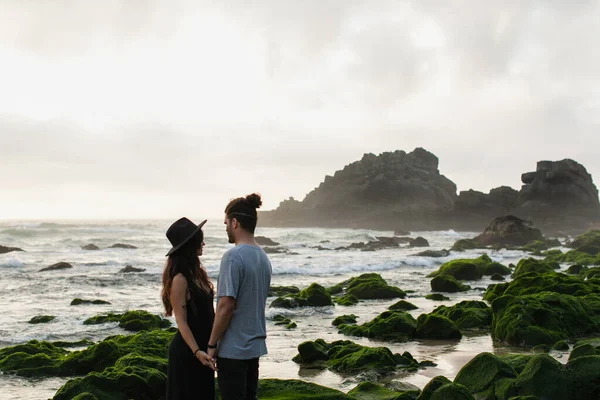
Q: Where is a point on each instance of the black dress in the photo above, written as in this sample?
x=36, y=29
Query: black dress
x=187, y=378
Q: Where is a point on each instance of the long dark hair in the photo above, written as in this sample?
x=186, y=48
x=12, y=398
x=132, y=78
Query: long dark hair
x=185, y=261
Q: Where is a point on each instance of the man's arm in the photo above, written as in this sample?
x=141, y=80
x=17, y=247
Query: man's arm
x=223, y=314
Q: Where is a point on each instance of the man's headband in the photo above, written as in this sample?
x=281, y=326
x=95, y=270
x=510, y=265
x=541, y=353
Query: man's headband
x=241, y=214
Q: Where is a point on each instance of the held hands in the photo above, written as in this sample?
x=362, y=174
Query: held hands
x=206, y=360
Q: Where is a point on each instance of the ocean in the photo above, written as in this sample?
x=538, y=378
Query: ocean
x=26, y=292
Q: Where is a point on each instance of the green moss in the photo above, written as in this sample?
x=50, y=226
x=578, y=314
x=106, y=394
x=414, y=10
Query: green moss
x=437, y=297
x=365, y=287
x=133, y=321
x=516, y=361
x=452, y=391
x=447, y=284
x=544, y=377
x=283, y=320
x=572, y=256
x=346, y=300
x=464, y=268
x=432, y=386
x=390, y=325
x=277, y=389
x=344, y=319
x=42, y=319
x=78, y=301
x=32, y=359
x=531, y=265
x=495, y=268
x=585, y=372
x=532, y=283
x=431, y=326
x=371, y=391
x=467, y=314
x=402, y=305
x=542, y=318
x=575, y=269
x=561, y=345
x=482, y=371
x=540, y=348
x=588, y=242
x=313, y=296
x=465, y=244
x=282, y=290
x=348, y=357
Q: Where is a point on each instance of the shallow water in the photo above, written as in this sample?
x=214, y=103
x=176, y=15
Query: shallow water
x=25, y=292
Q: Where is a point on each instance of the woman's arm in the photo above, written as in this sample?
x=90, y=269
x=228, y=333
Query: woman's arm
x=179, y=288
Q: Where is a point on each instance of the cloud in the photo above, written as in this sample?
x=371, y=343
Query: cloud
x=164, y=102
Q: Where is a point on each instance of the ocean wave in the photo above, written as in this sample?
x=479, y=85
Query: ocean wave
x=11, y=262
x=29, y=232
x=312, y=269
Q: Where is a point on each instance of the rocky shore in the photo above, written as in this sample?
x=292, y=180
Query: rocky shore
x=549, y=302
x=406, y=191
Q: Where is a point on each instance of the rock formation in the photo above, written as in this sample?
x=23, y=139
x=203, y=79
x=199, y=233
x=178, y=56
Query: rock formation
x=405, y=191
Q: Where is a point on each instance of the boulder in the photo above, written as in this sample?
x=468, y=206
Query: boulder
x=402, y=305
x=468, y=314
x=436, y=297
x=129, y=269
x=133, y=321
x=122, y=246
x=419, y=242
x=545, y=378
x=57, y=266
x=483, y=371
x=372, y=391
x=558, y=190
x=390, y=325
x=265, y=241
x=41, y=319
x=90, y=246
x=508, y=231
x=78, y=301
x=432, y=253
x=588, y=243
x=467, y=269
x=432, y=386
x=344, y=319
x=585, y=372
x=432, y=326
x=447, y=284
x=5, y=249
x=313, y=296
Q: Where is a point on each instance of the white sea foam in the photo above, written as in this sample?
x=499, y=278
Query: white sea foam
x=11, y=262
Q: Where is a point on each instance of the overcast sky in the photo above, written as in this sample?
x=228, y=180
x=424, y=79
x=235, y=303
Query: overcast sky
x=166, y=108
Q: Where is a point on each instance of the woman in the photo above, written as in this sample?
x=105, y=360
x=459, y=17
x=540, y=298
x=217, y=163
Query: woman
x=187, y=293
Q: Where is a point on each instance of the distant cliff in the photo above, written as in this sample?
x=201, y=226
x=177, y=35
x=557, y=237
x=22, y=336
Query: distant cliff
x=399, y=190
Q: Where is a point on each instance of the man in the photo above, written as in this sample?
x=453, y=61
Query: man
x=239, y=331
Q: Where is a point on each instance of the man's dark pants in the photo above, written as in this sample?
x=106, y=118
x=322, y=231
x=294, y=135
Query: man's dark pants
x=238, y=379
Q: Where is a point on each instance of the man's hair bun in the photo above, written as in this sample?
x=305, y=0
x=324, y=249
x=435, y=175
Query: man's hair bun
x=254, y=200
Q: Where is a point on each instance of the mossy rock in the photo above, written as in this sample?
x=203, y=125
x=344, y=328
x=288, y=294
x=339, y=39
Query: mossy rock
x=497, y=277
x=436, y=297
x=572, y=256
x=372, y=391
x=447, y=284
x=516, y=361
x=313, y=296
x=531, y=265
x=402, y=305
x=588, y=347
x=345, y=356
x=495, y=268
x=346, y=300
x=465, y=269
x=344, y=319
x=389, y=325
x=78, y=301
x=432, y=386
x=133, y=321
x=544, y=377
x=282, y=290
x=468, y=314
x=542, y=318
x=465, y=244
x=591, y=273
x=79, y=343
x=118, y=382
x=588, y=242
x=532, y=283
x=431, y=326
x=292, y=389
x=366, y=287
x=482, y=371
x=32, y=359
x=575, y=269
x=41, y=319
x=540, y=348
x=283, y=320
x=535, y=246
x=585, y=373
x=452, y=391
x=561, y=345
x=105, y=353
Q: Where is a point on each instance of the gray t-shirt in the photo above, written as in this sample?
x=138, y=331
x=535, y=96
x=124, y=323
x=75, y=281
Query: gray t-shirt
x=246, y=276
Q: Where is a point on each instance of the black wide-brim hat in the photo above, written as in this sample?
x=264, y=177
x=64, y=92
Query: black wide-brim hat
x=181, y=231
